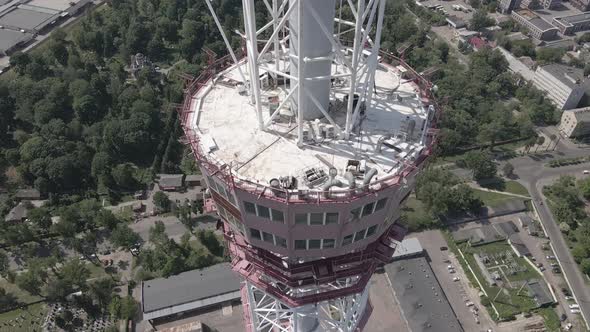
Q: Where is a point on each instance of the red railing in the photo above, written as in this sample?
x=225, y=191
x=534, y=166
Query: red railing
x=257, y=265
x=224, y=172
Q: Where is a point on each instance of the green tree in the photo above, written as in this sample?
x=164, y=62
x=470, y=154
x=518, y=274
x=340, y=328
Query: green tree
x=7, y=300
x=480, y=20
x=161, y=201
x=508, y=169
x=585, y=266
x=124, y=237
x=584, y=186
x=481, y=164
x=41, y=218
x=4, y=264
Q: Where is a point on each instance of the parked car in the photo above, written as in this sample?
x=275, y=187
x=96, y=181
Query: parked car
x=539, y=264
x=456, y=279
x=542, y=269
x=556, y=270
x=550, y=257
x=443, y=248
x=586, y=171
x=575, y=311
x=574, y=306
x=563, y=317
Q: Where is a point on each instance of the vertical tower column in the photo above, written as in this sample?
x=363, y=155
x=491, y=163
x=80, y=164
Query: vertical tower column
x=314, y=49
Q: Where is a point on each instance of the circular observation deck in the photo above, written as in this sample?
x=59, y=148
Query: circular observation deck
x=389, y=137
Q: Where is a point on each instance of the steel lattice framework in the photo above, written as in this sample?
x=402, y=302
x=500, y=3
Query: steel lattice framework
x=317, y=53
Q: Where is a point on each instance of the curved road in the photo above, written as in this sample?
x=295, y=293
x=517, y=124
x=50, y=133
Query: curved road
x=534, y=175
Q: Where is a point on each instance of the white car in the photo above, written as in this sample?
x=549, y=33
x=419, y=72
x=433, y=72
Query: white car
x=450, y=267
x=456, y=279
x=569, y=297
x=586, y=171
x=575, y=311
x=574, y=306
x=469, y=304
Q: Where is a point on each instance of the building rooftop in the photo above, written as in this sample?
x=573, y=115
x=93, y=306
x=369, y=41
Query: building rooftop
x=534, y=19
x=27, y=19
x=227, y=125
x=539, y=291
x=31, y=194
x=17, y=213
x=408, y=247
x=171, y=180
x=424, y=305
x=574, y=19
x=191, y=286
x=11, y=38
x=57, y=5
x=570, y=76
x=581, y=114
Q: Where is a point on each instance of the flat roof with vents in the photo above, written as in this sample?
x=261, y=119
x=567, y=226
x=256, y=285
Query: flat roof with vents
x=424, y=304
x=226, y=121
x=189, y=291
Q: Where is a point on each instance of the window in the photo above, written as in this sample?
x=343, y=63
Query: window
x=355, y=214
x=263, y=211
x=380, y=204
x=329, y=243
x=316, y=218
x=371, y=230
x=250, y=207
x=277, y=215
x=255, y=234
x=359, y=235
x=368, y=209
x=281, y=242
x=331, y=218
x=301, y=218
x=267, y=237
x=315, y=244
x=300, y=245
x=347, y=240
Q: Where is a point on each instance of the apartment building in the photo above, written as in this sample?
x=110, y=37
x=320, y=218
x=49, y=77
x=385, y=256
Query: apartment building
x=575, y=122
x=564, y=85
x=538, y=27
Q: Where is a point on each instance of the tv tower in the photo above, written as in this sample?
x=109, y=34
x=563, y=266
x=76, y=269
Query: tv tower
x=310, y=139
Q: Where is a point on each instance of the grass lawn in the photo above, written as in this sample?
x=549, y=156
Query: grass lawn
x=516, y=188
x=30, y=319
x=552, y=322
x=491, y=199
x=415, y=216
x=21, y=295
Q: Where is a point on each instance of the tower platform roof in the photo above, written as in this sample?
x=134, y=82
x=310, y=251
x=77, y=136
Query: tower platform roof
x=225, y=120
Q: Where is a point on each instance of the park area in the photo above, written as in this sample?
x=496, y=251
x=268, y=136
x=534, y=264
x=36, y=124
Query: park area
x=509, y=284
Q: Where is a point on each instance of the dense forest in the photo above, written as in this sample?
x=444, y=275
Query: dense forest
x=73, y=122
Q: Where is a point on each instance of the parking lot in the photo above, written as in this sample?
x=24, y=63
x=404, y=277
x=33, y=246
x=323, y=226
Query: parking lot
x=457, y=292
x=464, y=15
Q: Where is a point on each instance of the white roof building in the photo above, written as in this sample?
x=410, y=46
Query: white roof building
x=575, y=122
x=564, y=85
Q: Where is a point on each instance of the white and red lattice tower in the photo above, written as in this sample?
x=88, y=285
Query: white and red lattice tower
x=309, y=142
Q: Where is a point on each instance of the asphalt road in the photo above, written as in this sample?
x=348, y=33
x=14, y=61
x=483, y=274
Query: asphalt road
x=532, y=173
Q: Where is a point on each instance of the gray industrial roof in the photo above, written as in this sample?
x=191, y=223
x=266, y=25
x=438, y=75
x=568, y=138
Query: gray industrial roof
x=541, y=24
x=408, y=247
x=567, y=75
x=423, y=302
x=29, y=20
x=11, y=38
x=189, y=287
x=539, y=291
x=574, y=19
x=171, y=180
x=17, y=213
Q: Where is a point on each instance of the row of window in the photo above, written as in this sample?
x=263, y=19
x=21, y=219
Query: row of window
x=268, y=237
x=314, y=218
x=264, y=212
x=367, y=209
x=230, y=218
x=312, y=243
x=358, y=236
x=220, y=189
